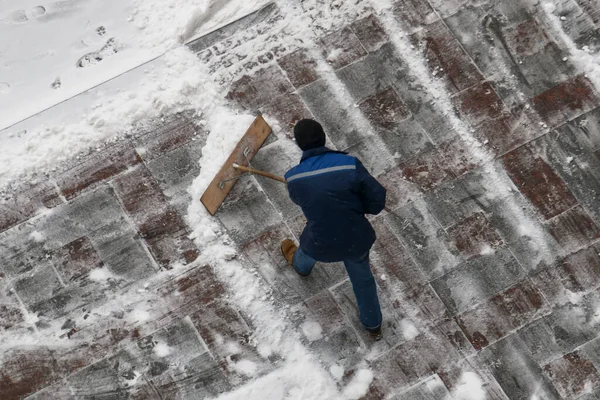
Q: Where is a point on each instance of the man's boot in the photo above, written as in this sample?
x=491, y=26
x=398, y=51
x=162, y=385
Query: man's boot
x=375, y=334
x=288, y=249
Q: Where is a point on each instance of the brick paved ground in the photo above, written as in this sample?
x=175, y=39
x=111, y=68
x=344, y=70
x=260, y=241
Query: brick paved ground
x=494, y=260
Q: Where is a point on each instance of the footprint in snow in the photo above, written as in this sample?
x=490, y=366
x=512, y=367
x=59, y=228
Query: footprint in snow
x=23, y=16
x=37, y=11
x=110, y=48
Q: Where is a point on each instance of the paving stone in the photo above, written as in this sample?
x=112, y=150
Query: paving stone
x=566, y=101
x=415, y=13
x=38, y=285
x=574, y=229
x=539, y=58
x=580, y=21
x=400, y=192
x=508, y=310
x=508, y=131
x=341, y=48
x=278, y=159
x=570, y=325
x=97, y=168
x=159, y=224
x=538, y=182
x=425, y=239
x=374, y=73
x=573, y=375
x=265, y=253
x=370, y=32
x=575, y=276
x=199, y=286
x=338, y=343
x=570, y=151
x=439, y=164
x=300, y=67
x=75, y=260
x=453, y=377
x=25, y=372
x=472, y=283
x=246, y=212
x=474, y=236
x=479, y=104
x=509, y=213
x=344, y=296
x=124, y=253
x=229, y=340
x=202, y=378
x=254, y=91
x=153, y=140
x=59, y=390
x=109, y=378
x=383, y=69
x=26, y=201
x=413, y=361
x=286, y=110
x=390, y=258
x=446, y=58
x=175, y=171
x=11, y=313
x=331, y=114
x=430, y=389
x=425, y=169
x=374, y=155
x=516, y=371
x=384, y=109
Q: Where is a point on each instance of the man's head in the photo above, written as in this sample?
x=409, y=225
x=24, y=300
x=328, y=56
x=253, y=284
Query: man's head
x=309, y=134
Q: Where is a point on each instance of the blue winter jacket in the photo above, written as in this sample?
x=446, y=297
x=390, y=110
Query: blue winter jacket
x=335, y=191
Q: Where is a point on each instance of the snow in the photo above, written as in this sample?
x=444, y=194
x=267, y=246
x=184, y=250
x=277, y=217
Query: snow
x=37, y=236
x=161, y=350
x=584, y=59
x=312, y=330
x=359, y=385
x=337, y=371
x=39, y=73
x=100, y=274
x=53, y=38
x=470, y=387
x=245, y=367
x=409, y=330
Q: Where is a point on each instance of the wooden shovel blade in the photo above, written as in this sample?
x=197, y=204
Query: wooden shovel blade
x=245, y=150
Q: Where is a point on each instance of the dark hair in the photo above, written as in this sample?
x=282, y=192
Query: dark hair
x=309, y=134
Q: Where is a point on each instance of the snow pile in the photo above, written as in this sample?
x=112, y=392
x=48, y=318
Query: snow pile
x=359, y=385
x=470, y=387
x=162, y=350
x=67, y=47
x=312, y=330
x=100, y=274
x=173, y=83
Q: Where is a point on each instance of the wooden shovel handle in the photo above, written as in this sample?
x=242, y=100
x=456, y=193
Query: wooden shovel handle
x=261, y=173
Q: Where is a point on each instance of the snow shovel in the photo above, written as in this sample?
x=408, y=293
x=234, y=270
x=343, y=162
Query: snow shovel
x=237, y=164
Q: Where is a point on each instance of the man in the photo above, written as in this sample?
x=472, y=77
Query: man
x=335, y=192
